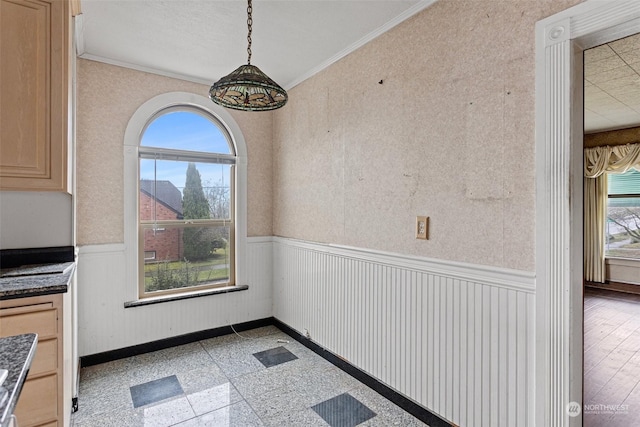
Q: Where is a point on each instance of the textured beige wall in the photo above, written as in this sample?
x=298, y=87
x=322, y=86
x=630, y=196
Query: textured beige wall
x=435, y=117
x=107, y=98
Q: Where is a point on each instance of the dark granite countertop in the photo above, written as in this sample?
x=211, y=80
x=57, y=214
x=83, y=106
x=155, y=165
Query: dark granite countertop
x=16, y=354
x=35, y=280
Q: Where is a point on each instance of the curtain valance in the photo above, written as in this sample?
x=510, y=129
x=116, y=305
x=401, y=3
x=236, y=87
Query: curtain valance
x=611, y=159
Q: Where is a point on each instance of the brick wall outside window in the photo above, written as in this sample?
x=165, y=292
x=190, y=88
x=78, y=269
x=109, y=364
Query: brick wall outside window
x=167, y=242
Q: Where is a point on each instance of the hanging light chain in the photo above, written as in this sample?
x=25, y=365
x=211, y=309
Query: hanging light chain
x=249, y=25
x=247, y=88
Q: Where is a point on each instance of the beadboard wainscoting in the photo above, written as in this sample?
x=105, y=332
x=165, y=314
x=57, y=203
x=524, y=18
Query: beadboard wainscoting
x=457, y=339
x=104, y=324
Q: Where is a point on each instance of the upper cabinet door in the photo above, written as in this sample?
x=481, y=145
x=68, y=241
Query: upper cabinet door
x=34, y=63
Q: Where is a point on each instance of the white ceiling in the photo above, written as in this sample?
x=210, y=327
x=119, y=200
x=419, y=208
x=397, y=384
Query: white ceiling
x=612, y=85
x=203, y=40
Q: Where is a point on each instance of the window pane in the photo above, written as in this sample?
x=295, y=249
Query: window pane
x=186, y=257
x=186, y=130
x=625, y=183
x=623, y=228
x=160, y=200
x=175, y=190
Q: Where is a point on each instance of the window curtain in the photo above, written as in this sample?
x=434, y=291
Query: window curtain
x=598, y=162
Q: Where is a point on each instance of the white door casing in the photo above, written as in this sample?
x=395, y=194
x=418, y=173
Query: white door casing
x=560, y=41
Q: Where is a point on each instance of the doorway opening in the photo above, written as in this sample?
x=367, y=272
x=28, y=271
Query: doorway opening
x=611, y=354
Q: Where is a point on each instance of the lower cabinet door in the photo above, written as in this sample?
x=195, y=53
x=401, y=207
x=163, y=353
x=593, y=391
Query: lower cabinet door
x=38, y=403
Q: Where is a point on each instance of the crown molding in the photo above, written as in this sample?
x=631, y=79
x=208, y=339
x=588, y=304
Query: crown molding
x=418, y=7
x=150, y=70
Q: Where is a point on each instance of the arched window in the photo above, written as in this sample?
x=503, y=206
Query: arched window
x=186, y=197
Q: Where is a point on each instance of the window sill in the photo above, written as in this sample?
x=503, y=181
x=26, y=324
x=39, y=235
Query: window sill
x=186, y=295
x=632, y=262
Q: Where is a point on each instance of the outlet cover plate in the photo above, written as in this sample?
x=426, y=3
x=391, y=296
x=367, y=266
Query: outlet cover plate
x=422, y=227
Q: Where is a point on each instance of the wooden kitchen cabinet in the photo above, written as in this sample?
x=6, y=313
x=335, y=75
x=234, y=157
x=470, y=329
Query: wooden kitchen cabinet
x=41, y=400
x=34, y=94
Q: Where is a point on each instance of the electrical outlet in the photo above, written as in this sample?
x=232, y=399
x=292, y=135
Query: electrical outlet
x=422, y=227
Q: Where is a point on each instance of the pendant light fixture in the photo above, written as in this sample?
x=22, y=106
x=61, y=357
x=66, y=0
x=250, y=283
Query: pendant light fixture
x=247, y=87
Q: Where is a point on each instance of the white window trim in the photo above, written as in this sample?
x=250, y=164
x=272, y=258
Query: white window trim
x=133, y=133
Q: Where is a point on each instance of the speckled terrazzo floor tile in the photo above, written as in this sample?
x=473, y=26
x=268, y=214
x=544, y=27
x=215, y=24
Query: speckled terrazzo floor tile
x=261, y=332
x=280, y=402
x=274, y=335
x=237, y=359
x=96, y=400
x=306, y=376
x=275, y=356
x=241, y=336
x=237, y=414
x=213, y=347
x=155, y=391
x=222, y=340
x=247, y=342
x=282, y=339
x=306, y=418
x=213, y=398
x=306, y=379
x=280, y=395
x=111, y=369
x=124, y=418
x=301, y=351
x=290, y=375
x=148, y=367
x=343, y=410
x=167, y=413
x=339, y=379
x=331, y=382
x=301, y=388
x=186, y=357
x=388, y=414
x=234, y=363
x=97, y=383
x=201, y=379
x=278, y=340
x=307, y=358
x=404, y=420
x=115, y=419
x=260, y=382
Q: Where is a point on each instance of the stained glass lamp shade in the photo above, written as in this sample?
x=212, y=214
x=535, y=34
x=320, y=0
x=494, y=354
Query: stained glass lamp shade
x=247, y=87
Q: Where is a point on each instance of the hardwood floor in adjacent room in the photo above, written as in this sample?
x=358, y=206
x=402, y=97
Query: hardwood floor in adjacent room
x=611, y=358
